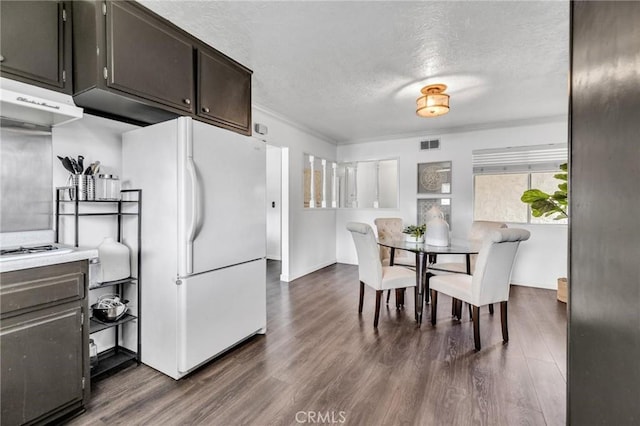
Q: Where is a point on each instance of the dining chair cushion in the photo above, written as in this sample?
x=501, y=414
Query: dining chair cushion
x=397, y=277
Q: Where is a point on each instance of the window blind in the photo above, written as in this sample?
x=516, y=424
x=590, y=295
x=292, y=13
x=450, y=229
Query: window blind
x=536, y=158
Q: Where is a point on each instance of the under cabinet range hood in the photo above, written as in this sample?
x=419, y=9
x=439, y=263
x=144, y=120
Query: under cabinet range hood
x=31, y=105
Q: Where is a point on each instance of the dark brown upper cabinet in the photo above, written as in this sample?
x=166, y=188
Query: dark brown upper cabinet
x=35, y=43
x=146, y=70
x=224, y=91
x=147, y=58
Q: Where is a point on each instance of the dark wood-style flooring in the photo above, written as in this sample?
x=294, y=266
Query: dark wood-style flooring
x=320, y=356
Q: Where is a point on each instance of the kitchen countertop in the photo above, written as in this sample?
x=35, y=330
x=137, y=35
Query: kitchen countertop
x=77, y=253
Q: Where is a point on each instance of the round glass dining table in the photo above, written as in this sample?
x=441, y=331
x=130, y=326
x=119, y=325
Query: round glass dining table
x=425, y=255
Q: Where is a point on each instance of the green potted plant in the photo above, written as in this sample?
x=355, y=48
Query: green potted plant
x=552, y=205
x=546, y=205
x=415, y=233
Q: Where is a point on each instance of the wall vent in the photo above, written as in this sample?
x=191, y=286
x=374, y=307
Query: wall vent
x=430, y=144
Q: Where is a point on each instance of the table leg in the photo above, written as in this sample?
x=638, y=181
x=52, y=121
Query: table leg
x=420, y=269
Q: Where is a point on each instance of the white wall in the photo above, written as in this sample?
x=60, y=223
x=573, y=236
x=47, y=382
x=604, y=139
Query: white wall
x=541, y=260
x=97, y=139
x=309, y=243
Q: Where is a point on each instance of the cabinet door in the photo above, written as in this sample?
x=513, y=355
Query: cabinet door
x=33, y=40
x=147, y=58
x=224, y=91
x=42, y=363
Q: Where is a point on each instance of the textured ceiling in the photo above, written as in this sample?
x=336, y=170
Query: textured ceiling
x=351, y=71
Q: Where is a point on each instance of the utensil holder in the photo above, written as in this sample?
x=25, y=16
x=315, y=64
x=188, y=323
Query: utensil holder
x=84, y=187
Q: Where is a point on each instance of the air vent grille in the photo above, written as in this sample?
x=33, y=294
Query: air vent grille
x=430, y=144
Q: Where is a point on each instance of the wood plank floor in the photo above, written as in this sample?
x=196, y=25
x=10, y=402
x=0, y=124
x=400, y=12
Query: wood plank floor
x=320, y=356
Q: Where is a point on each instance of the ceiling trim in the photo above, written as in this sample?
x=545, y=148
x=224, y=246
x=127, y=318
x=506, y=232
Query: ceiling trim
x=464, y=129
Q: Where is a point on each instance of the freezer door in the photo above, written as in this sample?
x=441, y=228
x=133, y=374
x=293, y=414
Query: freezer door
x=218, y=309
x=223, y=186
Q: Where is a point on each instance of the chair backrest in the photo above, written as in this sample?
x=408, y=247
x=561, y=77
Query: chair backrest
x=480, y=229
x=369, y=265
x=492, y=276
x=388, y=227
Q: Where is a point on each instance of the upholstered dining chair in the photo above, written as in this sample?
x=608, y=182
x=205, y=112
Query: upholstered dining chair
x=490, y=280
x=391, y=227
x=370, y=269
x=479, y=229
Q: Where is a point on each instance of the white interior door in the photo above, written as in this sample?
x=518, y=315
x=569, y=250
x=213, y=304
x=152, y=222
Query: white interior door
x=229, y=175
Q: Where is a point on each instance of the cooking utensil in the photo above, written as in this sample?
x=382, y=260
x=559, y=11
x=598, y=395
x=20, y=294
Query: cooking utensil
x=95, y=167
x=109, y=307
x=88, y=169
x=67, y=165
x=75, y=166
x=80, y=163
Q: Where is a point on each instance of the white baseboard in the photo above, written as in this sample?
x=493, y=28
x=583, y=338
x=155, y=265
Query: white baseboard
x=306, y=271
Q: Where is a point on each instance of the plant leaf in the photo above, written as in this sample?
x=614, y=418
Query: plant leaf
x=561, y=176
x=532, y=195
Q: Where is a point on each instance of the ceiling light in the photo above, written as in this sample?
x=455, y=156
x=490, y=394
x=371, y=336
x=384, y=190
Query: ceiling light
x=433, y=101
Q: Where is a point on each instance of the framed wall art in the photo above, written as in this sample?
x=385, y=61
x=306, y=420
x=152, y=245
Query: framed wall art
x=424, y=204
x=434, y=178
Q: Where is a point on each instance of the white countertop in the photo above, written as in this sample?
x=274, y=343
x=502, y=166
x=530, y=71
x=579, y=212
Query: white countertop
x=77, y=253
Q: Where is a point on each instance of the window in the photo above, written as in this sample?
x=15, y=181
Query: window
x=502, y=175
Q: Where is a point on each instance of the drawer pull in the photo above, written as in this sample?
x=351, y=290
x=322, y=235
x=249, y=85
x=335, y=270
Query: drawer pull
x=187, y=101
x=205, y=109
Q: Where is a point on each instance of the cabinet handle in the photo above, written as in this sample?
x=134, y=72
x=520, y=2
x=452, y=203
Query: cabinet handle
x=1, y=58
x=187, y=101
x=205, y=109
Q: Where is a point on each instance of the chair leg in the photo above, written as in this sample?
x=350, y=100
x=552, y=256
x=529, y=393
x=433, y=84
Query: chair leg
x=491, y=308
x=503, y=318
x=459, y=309
x=434, y=306
x=378, y=297
x=470, y=314
x=453, y=306
x=388, y=296
x=361, y=297
x=476, y=326
x=397, y=291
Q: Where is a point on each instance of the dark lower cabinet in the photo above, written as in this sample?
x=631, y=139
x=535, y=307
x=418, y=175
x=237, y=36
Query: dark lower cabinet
x=43, y=344
x=224, y=91
x=35, y=43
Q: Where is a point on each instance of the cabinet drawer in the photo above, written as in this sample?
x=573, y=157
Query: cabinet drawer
x=37, y=287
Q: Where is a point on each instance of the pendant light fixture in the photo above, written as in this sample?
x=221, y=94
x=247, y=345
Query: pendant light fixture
x=433, y=102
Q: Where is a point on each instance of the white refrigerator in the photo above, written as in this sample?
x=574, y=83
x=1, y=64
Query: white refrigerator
x=203, y=240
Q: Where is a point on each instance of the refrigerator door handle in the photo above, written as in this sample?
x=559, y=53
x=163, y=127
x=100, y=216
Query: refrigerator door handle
x=195, y=208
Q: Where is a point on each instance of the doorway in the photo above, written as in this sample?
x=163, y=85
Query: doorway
x=277, y=207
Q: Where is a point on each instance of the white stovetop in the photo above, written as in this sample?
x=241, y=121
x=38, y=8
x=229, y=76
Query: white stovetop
x=63, y=255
